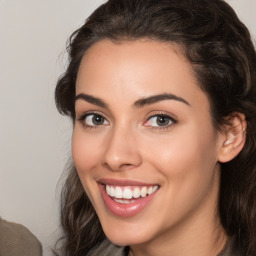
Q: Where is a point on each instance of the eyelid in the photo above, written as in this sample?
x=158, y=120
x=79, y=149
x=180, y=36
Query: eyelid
x=82, y=117
x=89, y=112
x=161, y=114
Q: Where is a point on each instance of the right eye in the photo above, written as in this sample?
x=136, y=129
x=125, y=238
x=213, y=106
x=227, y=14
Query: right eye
x=93, y=120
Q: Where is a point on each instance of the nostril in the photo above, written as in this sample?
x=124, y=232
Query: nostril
x=119, y=166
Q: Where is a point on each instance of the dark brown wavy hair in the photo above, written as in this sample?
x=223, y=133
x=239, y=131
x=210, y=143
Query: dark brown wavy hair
x=219, y=48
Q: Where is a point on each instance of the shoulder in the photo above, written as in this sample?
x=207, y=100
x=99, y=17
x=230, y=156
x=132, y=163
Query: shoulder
x=15, y=239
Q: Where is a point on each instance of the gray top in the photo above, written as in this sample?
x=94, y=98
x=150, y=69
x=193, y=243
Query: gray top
x=108, y=249
x=17, y=240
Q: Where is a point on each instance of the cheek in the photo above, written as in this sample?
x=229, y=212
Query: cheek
x=85, y=150
x=187, y=166
x=185, y=158
x=86, y=155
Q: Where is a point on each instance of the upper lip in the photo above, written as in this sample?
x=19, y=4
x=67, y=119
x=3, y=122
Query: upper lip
x=124, y=182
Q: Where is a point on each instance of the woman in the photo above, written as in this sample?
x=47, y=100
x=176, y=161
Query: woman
x=162, y=95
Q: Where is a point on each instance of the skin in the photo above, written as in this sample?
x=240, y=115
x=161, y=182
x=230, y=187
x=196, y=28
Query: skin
x=181, y=157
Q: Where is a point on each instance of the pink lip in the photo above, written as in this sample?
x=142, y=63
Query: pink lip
x=125, y=210
x=124, y=182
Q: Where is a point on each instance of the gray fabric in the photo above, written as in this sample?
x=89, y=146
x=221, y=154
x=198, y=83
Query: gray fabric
x=107, y=249
x=16, y=240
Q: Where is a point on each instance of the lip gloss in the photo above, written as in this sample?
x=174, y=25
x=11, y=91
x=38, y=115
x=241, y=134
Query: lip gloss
x=123, y=209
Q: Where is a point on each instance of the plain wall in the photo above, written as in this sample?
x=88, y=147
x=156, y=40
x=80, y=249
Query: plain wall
x=34, y=138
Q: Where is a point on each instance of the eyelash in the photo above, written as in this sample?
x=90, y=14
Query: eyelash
x=82, y=118
x=173, y=121
x=168, y=126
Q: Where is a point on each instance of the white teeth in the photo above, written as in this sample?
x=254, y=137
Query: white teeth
x=118, y=192
x=136, y=193
x=108, y=189
x=155, y=188
x=123, y=201
x=150, y=190
x=128, y=193
x=143, y=192
x=112, y=191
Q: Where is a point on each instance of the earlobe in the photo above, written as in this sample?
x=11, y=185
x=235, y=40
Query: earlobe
x=234, y=137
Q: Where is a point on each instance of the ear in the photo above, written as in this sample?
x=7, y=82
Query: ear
x=234, y=137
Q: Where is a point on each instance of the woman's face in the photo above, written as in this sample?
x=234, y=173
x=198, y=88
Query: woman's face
x=143, y=142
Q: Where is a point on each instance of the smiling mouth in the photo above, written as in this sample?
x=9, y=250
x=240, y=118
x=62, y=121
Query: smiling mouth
x=129, y=194
x=126, y=198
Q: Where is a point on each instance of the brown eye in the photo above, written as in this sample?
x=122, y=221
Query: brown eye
x=160, y=121
x=95, y=120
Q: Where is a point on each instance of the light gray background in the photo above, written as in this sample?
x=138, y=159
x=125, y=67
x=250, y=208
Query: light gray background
x=34, y=138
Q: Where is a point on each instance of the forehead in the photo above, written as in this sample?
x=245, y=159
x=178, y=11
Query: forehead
x=138, y=68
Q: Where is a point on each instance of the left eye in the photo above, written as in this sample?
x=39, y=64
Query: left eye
x=95, y=120
x=159, y=121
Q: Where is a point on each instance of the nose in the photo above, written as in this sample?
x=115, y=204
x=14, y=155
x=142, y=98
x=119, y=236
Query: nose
x=122, y=151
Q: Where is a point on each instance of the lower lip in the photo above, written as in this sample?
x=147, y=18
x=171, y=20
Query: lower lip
x=125, y=210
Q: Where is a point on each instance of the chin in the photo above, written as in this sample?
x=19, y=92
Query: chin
x=126, y=235
x=125, y=240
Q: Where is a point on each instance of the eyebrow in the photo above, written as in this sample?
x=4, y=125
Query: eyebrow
x=91, y=99
x=138, y=103
x=157, y=98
